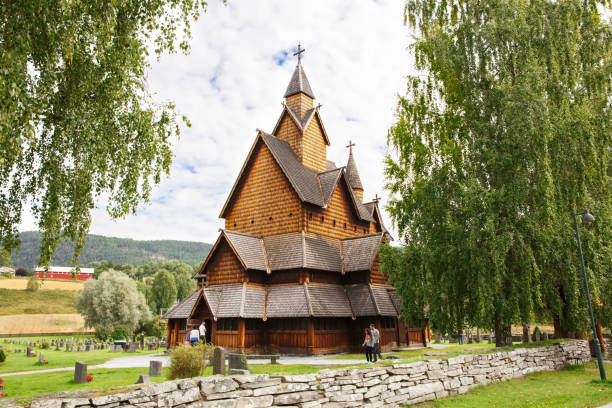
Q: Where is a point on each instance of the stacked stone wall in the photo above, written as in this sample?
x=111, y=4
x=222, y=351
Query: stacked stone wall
x=380, y=386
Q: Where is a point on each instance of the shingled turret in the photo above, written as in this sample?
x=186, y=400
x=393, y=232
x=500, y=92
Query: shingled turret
x=352, y=174
x=299, y=95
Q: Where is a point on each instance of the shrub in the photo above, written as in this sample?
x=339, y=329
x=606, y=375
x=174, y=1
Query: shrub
x=189, y=361
x=33, y=284
x=44, y=345
x=537, y=330
x=120, y=333
x=22, y=272
x=2, y=356
x=6, y=275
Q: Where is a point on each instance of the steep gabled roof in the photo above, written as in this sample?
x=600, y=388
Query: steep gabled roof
x=299, y=83
x=359, y=252
x=303, y=124
x=351, y=171
x=311, y=188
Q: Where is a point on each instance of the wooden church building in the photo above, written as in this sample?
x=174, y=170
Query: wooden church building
x=296, y=268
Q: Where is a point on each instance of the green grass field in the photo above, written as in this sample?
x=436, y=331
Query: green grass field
x=573, y=387
x=14, y=302
x=17, y=362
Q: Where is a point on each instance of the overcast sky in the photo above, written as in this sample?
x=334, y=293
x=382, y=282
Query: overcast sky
x=232, y=82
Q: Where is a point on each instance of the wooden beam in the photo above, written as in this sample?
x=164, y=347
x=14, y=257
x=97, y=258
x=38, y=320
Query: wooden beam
x=241, y=334
x=310, y=336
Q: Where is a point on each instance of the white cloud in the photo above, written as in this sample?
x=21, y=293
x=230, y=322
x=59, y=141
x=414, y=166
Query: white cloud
x=231, y=84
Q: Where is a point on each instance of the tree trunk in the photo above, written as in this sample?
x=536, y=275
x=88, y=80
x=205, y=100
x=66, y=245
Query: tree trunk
x=503, y=334
x=600, y=337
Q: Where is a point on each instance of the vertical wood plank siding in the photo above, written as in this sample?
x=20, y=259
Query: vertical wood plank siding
x=287, y=340
x=264, y=192
x=300, y=103
x=224, y=267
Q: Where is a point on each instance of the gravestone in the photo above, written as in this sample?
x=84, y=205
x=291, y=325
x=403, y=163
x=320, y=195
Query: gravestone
x=237, y=361
x=155, y=368
x=71, y=349
x=41, y=358
x=88, y=347
x=526, y=333
x=219, y=361
x=67, y=347
x=29, y=352
x=133, y=347
x=545, y=336
x=57, y=347
x=537, y=335
x=143, y=379
x=80, y=372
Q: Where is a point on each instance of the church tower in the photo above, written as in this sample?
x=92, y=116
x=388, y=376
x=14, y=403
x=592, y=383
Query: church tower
x=300, y=123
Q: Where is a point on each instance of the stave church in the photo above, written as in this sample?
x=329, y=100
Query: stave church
x=295, y=270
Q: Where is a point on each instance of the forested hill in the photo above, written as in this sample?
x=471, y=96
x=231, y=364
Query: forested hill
x=116, y=250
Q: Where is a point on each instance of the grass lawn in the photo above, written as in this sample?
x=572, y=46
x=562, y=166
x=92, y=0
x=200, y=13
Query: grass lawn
x=453, y=349
x=14, y=302
x=16, y=362
x=27, y=386
x=573, y=387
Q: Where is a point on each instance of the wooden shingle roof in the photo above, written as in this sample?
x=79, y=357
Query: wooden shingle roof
x=359, y=252
x=310, y=187
x=299, y=83
x=183, y=309
x=292, y=300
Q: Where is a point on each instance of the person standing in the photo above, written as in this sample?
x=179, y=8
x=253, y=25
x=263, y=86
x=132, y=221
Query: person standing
x=368, y=343
x=461, y=336
x=202, y=332
x=194, y=336
x=376, y=338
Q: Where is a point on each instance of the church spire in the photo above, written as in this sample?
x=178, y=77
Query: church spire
x=299, y=83
x=352, y=174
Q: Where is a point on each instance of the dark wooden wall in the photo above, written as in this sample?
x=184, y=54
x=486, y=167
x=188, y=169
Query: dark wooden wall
x=224, y=267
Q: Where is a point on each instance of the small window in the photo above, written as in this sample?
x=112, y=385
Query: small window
x=270, y=219
x=309, y=216
x=252, y=221
x=322, y=219
x=234, y=225
x=345, y=225
x=291, y=214
x=334, y=223
x=355, y=228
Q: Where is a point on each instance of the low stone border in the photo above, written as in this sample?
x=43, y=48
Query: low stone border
x=388, y=386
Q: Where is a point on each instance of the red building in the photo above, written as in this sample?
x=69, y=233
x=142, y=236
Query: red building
x=64, y=272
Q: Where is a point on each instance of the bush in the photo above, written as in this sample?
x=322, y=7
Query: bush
x=23, y=272
x=45, y=345
x=33, y=284
x=6, y=275
x=189, y=361
x=120, y=333
x=2, y=356
x=537, y=330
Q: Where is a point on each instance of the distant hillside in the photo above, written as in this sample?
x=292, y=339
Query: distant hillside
x=116, y=250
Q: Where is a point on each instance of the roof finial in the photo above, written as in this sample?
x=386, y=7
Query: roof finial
x=299, y=52
x=350, y=145
x=376, y=198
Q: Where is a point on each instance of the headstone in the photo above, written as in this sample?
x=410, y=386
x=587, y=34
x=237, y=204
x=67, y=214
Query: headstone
x=57, y=347
x=133, y=347
x=155, y=368
x=526, y=332
x=80, y=372
x=67, y=347
x=237, y=361
x=143, y=379
x=545, y=336
x=29, y=352
x=88, y=347
x=537, y=335
x=219, y=361
x=41, y=358
x=71, y=348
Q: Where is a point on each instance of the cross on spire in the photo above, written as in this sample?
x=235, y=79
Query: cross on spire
x=299, y=52
x=376, y=198
x=350, y=145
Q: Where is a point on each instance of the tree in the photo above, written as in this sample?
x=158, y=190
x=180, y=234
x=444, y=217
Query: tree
x=111, y=301
x=180, y=271
x=185, y=284
x=5, y=257
x=163, y=290
x=78, y=121
x=506, y=131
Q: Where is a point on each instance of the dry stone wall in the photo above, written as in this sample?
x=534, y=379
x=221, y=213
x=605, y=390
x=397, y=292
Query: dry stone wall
x=388, y=386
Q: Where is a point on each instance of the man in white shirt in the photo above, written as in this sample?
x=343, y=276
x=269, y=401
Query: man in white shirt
x=202, y=332
x=376, y=336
